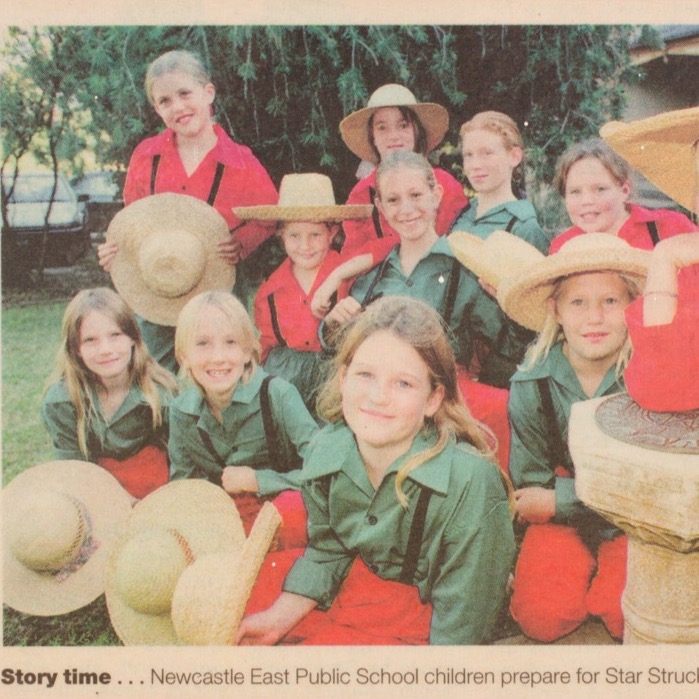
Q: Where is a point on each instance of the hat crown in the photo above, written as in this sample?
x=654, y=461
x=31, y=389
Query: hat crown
x=591, y=242
x=46, y=530
x=391, y=95
x=307, y=189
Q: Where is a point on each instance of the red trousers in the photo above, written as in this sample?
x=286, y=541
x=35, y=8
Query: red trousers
x=141, y=473
x=292, y=533
x=368, y=610
x=558, y=583
x=488, y=405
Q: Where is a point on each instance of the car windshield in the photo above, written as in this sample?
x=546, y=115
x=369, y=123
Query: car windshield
x=37, y=189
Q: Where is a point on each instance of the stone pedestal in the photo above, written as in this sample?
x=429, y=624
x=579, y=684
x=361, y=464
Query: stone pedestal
x=653, y=496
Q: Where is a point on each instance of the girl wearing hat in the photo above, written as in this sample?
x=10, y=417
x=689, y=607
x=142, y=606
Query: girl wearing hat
x=193, y=156
x=307, y=220
x=572, y=562
x=236, y=427
x=595, y=183
x=410, y=536
x=394, y=120
x=109, y=404
x=492, y=151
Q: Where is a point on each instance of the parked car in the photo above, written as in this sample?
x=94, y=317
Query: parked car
x=27, y=205
x=104, y=197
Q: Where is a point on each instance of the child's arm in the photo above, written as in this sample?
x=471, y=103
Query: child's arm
x=320, y=303
x=267, y=627
x=60, y=420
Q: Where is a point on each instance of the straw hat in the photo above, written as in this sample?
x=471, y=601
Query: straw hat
x=524, y=296
x=663, y=149
x=60, y=521
x=494, y=258
x=172, y=529
x=304, y=197
x=168, y=254
x=354, y=128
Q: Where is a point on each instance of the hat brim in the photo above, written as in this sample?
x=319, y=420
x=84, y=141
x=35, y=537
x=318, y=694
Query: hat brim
x=158, y=214
x=206, y=517
x=494, y=258
x=524, y=297
x=662, y=149
x=108, y=506
x=354, y=128
x=314, y=214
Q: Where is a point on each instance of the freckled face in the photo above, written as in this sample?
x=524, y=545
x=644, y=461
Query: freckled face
x=595, y=201
x=215, y=358
x=488, y=164
x=182, y=103
x=590, y=309
x=387, y=394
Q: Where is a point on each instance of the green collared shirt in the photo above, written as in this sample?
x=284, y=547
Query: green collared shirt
x=160, y=341
x=475, y=316
x=531, y=460
x=467, y=546
x=519, y=215
x=123, y=435
x=240, y=440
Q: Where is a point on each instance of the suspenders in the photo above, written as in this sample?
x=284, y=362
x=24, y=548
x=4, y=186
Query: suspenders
x=275, y=321
x=375, y=214
x=653, y=232
x=417, y=527
x=557, y=449
x=218, y=175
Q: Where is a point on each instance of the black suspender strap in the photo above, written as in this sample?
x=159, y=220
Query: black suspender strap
x=557, y=449
x=154, y=172
x=275, y=321
x=220, y=167
x=417, y=527
x=451, y=292
x=375, y=214
x=459, y=214
x=653, y=232
x=370, y=296
x=206, y=438
x=511, y=224
x=276, y=454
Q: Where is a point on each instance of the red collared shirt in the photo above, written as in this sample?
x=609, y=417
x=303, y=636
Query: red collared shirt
x=244, y=181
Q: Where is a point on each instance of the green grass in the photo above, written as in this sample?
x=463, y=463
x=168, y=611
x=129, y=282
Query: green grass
x=30, y=338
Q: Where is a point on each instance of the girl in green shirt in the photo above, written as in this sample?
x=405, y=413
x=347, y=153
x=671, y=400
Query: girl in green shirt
x=410, y=535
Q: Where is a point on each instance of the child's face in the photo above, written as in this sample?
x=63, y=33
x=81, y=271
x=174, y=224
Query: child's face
x=590, y=308
x=488, y=164
x=409, y=203
x=306, y=243
x=595, y=201
x=214, y=358
x=391, y=131
x=182, y=103
x=386, y=394
x=104, y=347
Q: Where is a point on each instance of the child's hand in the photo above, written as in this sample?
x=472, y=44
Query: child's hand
x=343, y=311
x=320, y=303
x=535, y=505
x=239, y=479
x=106, y=252
x=230, y=250
x=259, y=630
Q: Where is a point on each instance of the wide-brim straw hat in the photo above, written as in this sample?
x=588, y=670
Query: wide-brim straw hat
x=304, y=197
x=170, y=530
x=500, y=255
x=524, y=297
x=60, y=522
x=663, y=149
x=354, y=128
x=167, y=253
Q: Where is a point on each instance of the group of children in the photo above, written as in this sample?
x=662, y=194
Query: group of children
x=351, y=386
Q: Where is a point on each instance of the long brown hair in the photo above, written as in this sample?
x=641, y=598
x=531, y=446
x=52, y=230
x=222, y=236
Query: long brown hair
x=422, y=328
x=144, y=371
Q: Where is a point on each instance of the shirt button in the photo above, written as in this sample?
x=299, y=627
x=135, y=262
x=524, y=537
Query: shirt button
x=372, y=519
x=305, y=302
x=307, y=343
x=409, y=282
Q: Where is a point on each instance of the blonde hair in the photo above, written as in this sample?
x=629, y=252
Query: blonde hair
x=144, y=371
x=245, y=332
x=596, y=149
x=402, y=160
x=172, y=61
x=422, y=328
x=552, y=331
x=503, y=126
